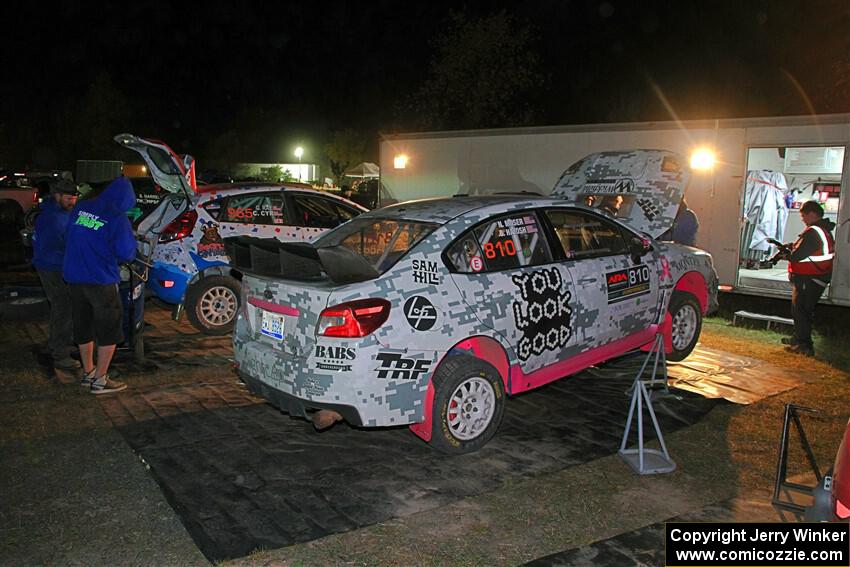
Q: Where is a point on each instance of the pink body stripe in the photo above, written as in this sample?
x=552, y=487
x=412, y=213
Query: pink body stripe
x=274, y=307
x=521, y=382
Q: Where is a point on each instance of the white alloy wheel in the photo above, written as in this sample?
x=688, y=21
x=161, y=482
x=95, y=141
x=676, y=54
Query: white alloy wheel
x=217, y=306
x=471, y=408
x=685, y=322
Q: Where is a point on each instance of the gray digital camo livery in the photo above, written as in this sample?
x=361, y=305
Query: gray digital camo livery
x=537, y=287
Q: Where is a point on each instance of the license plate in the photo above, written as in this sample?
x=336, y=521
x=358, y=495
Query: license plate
x=272, y=325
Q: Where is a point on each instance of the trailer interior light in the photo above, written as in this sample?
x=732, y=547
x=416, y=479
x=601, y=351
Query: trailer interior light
x=400, y=161
x=702, y=159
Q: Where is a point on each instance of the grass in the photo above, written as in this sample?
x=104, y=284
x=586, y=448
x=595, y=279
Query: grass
x=753, y=431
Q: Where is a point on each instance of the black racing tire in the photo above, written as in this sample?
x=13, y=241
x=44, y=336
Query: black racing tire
x=212, y=304
x=30, y=218
x=465, y=380
x=686, y=318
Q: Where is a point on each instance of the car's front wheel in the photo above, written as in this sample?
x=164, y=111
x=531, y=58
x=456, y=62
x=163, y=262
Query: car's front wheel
x=212, y=304
x=469, y=403
x=686, y=318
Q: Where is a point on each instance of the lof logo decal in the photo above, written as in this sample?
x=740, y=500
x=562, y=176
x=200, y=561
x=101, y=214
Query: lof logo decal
x=420, y=313
x=544, y=314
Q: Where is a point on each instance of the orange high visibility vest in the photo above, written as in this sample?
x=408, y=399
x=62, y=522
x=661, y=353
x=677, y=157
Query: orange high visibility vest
x=819, y=263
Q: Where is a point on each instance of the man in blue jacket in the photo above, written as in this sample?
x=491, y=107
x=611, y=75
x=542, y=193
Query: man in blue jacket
x=48, y=255
x=99, y=238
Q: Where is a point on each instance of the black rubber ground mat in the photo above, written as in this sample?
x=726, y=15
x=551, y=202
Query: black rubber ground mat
x=243, y=476
x=646, y=545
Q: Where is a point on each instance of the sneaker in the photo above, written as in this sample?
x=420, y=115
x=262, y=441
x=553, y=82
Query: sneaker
x=788, y=340
x=800, y=349
x=87, y=380
x=104, y=385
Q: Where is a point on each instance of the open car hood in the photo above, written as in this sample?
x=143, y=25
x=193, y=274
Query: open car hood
x=173, y=173
x=651, y=183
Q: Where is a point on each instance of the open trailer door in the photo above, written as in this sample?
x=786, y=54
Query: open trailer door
x=642, y=188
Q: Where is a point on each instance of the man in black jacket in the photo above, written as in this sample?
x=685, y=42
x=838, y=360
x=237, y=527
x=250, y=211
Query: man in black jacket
x=810, y=270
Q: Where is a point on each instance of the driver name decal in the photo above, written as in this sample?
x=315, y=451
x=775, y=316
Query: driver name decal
x=544, y=313
x=628, y=283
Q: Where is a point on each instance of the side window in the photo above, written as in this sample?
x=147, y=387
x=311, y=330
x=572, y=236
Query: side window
x=254, y=208
x=503, y=243
x=586, y=236
x=315, y=212
x=344, y=213
x=213, y=208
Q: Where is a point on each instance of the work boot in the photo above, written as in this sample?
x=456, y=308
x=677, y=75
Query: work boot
x=806, y=350
x=789, y=341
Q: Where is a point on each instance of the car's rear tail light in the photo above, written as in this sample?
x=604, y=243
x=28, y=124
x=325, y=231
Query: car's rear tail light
x=353, y=318
x=180, y=227
x=35, y=197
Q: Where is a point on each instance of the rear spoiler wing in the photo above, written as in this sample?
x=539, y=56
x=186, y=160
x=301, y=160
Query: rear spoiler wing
x=298, y=261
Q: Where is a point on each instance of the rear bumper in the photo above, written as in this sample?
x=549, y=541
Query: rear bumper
x=160, y=275
x=297, y=407
x=353, y=384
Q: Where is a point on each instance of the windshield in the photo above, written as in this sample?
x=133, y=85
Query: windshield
x=381, y=242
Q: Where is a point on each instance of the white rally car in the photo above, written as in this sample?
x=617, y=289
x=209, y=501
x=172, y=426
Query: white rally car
x=182, y=236
x=433, y=313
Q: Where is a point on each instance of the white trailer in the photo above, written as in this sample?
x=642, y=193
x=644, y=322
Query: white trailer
x=806, y=152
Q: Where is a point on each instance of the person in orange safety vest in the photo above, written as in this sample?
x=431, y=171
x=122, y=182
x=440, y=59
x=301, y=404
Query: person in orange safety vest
x=809, y=270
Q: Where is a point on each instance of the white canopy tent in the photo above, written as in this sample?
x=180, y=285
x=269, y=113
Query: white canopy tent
x=363, y=170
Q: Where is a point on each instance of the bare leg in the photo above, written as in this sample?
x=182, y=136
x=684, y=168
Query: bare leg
x=104, y=357
x=87, y=356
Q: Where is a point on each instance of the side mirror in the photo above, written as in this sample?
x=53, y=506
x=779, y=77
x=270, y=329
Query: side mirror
x=639, y=247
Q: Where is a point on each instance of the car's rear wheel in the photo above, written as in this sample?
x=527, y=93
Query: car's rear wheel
x=469, y=403
x=686, y=317
x=212, y=304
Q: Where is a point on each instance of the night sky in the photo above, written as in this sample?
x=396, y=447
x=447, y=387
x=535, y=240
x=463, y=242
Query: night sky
x=268, y=75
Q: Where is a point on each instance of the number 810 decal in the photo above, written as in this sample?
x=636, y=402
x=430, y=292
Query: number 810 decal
x=628, y=283
x=501, y=248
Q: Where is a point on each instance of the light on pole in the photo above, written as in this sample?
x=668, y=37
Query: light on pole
x=299, y=151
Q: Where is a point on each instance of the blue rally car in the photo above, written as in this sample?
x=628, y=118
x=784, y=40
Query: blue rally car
x=182, y=237
x=433, y=313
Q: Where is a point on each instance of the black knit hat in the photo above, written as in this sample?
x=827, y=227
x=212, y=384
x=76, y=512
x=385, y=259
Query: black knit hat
x=65, y=187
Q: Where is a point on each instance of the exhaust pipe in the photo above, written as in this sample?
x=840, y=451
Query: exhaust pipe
x=322, y=419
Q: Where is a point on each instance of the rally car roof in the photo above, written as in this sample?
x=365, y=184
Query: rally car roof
x=443, y=209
